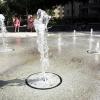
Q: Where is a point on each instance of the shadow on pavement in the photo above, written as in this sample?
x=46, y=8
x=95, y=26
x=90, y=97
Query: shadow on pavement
x=13, y=82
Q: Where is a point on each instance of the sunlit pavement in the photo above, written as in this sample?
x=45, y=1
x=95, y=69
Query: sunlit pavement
x=80, y=71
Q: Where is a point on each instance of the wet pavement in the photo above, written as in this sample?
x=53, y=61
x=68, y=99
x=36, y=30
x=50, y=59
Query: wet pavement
x=80, y=71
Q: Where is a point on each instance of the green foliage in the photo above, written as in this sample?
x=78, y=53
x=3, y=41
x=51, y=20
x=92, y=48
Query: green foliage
x=24, y=7
x=31, y=6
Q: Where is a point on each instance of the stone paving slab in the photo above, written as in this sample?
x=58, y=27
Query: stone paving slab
x=68, y=57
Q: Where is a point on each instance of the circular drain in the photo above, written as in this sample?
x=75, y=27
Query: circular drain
x=93, y=52
x=43, y=82
x=6, y=49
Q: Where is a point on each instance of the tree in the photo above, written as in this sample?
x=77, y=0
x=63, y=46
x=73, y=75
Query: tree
x=31, y=6
x=4, y=8
x=24, y=7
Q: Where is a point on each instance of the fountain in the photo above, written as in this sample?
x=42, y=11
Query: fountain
x=90, y=42
x=91, y=35
x=96, y=50
x=74, y=37
x=4, y=47
x=96, y=57
x=59, y=43
x=91, y=32
x=43, y=80
x=74, y=33
x=90, y=45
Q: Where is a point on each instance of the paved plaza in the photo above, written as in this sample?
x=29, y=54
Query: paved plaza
x=79, y=70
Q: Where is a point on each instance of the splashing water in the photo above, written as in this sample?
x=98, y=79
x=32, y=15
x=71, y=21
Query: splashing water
x=41, y=27
x=74, y=33
x=97, y=46
x=90, y=45
x=59, y=43
x=94, y=51
x=3, y=31
x=91, y=35
x=90, y=41
x=96, y=57
x=43, y=80
x=74, y=37
x=91, y=32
